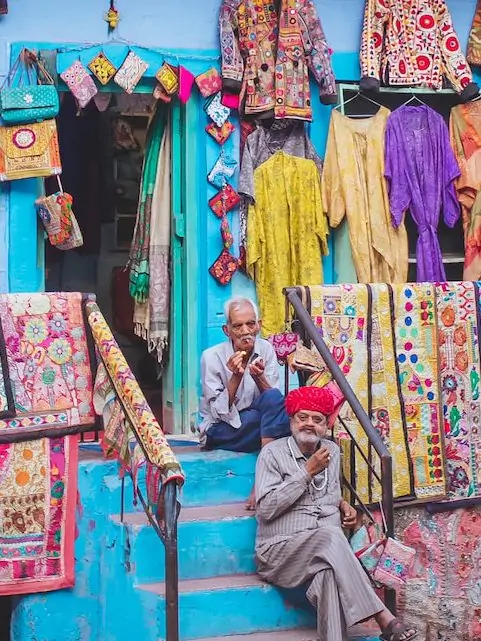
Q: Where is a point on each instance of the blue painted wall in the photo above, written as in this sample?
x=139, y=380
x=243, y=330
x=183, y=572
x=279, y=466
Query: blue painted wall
x=191, y=33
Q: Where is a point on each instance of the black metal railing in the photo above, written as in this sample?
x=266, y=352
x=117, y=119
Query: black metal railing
x=385, y=478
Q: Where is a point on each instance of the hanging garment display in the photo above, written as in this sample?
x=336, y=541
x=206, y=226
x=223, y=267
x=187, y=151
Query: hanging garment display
x=412, y=44
x=460, y=375
x=28, y=93
x=421, y=170
x=267, y=54
x=474, y=40
x=151, y=318
x=288, y=136
x=286, y=232
x=416, y=332
x=139, y=250
x=353, y=186
x=29, y=151
x=465, y=131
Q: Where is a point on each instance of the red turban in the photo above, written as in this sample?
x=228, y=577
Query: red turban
x=310, y=399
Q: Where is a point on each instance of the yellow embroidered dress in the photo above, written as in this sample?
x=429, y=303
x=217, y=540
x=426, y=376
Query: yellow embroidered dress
x=286, y=232
x=353, y=185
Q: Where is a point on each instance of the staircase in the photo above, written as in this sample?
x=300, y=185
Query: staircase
x=120, y=592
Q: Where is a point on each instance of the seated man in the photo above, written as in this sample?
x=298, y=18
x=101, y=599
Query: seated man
x=242, y=407
x=300, y=515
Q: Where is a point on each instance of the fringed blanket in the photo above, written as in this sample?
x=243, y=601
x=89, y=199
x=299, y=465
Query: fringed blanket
x=48, y=367
x=417, y=354
x=459, y=359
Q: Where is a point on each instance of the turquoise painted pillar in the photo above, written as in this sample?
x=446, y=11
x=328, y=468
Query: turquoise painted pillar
x=4, y=198
x=26, y=243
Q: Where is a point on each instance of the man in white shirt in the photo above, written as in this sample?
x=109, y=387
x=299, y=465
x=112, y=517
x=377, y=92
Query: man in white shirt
x=242, y=407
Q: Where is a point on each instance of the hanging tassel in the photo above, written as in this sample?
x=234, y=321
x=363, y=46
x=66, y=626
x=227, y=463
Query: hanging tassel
x=112, y=17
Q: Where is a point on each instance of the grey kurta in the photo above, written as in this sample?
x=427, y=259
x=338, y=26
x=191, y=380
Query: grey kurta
x=300, y=540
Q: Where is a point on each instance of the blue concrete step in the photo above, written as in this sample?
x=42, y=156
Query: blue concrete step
x=212, y=541
x=221, y=606
x=289, y=635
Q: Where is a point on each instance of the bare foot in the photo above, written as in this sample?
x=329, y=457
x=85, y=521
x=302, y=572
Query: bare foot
x=251, y=501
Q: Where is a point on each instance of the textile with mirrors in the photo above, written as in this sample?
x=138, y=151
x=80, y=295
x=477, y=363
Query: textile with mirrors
x=459, y=364
x=416, y=334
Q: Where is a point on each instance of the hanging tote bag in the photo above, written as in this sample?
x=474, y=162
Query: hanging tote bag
x=55, y=211
x=34, y=98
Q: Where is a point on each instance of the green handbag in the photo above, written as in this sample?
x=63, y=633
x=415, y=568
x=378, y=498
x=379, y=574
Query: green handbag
x=31, y=102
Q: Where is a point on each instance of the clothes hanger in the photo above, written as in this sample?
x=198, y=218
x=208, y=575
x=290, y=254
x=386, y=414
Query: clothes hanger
x=414, y=98
x=357, y=95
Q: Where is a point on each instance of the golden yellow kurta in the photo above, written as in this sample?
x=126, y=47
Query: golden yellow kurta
x=286, y=233
x=353, y=185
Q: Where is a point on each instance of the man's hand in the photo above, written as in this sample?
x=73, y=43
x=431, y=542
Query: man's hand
x=236, y=363
x=257, y=368
x=318, y=461
x=348, y=515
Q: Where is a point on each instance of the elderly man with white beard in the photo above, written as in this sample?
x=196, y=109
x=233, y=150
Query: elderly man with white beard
x=301, y=513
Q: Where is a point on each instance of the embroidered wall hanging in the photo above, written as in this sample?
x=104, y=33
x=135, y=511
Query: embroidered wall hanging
x=102, y=68
x=459, y=364
x=130, y=72
x=168, y=78
x=417, y=354
x=80, y=83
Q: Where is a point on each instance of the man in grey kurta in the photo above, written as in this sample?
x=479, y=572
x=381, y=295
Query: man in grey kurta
x=300, y=515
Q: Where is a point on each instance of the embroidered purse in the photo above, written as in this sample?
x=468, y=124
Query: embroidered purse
x=224, y=201
x=227, y=238
x=168, y=78
x=220, y=134
x=29, y=151
x=186, y=82
x=216, y=110
x=394, y=565
x=31, y=102
x=59, y=221
x=284, y=344
x=224, y=267
x=80, y=83
x=209, y=82
x=222, y=170
x=102, y=68
x=130, y=72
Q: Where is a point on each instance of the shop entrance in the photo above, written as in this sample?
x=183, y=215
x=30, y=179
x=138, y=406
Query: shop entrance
x=102, y=151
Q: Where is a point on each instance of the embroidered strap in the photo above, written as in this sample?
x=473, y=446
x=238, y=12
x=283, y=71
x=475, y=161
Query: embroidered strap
x=5, y=381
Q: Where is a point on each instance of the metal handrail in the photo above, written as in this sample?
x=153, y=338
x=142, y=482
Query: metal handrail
x=372, y=434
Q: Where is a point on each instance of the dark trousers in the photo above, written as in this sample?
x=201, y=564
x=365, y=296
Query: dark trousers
x=265, y=418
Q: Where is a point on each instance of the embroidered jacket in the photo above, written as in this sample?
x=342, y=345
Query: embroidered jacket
x=474, y=42
x=412, y=43
x=268, y=48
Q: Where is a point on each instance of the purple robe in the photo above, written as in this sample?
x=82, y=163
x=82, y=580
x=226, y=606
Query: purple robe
x=420, y=169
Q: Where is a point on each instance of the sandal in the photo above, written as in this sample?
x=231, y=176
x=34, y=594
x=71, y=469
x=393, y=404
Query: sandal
x=395, y=631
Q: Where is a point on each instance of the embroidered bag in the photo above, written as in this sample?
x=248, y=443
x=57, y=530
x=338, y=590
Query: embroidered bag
x=131, y=71
x=224, y=267
x=31, y=101
x=216, y=110
x=168, y=78
x=29, y=151
x=394, y=565
x=230, y=100
x=80, y=83
x=220, y=134
x=102, y=68
x=59, y=220
x=284, y=344
x=224, y=201
x=223, y=169
x=209, y=82
x=186, y=82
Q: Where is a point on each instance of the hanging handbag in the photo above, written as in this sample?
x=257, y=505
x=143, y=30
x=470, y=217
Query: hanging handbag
x=30, y=102
x=225, y=200
x=59, y=221
x=29, y=151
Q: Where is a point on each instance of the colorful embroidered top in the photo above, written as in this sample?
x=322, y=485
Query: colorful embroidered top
x=421, y=171
x=267, y=55
x=465, y=129
x=474, y=41
x=412, y=43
